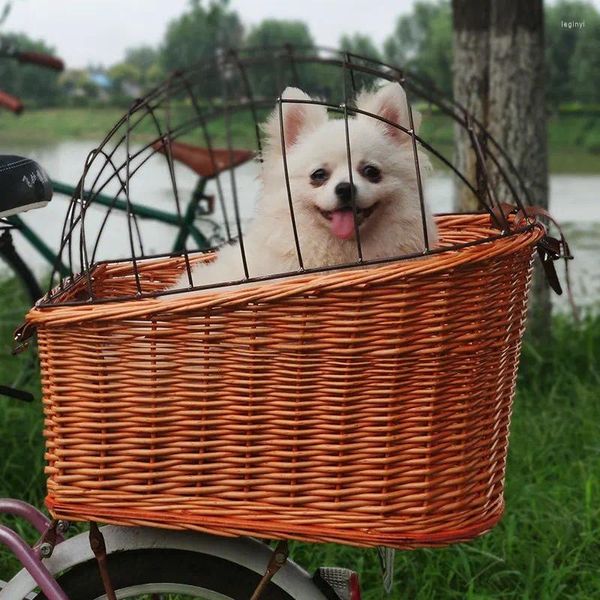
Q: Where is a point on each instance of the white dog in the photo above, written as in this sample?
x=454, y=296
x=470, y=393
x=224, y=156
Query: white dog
x=388, y=210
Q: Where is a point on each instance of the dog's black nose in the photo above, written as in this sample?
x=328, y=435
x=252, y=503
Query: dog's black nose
x=344, y=191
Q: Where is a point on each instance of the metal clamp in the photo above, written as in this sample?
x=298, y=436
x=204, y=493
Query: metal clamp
x=99, y=549
x=278, y=559
x=21, y=337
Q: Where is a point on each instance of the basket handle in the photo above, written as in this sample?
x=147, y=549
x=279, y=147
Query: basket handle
x=21, y=337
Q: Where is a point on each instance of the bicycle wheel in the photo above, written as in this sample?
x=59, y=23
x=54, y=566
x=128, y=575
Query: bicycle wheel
x=168, y=575
x=18, y=291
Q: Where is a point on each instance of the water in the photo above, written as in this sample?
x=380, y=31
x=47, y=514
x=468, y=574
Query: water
x=574, y=202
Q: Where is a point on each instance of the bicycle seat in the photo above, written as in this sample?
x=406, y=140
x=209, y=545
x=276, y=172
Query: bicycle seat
x=23, y=185
x=201, y=160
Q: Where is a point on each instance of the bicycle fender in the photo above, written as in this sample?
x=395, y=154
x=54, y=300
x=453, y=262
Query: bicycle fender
x=248, y=552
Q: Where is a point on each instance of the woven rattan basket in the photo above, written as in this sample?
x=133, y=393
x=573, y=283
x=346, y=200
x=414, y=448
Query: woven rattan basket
x=369, y=406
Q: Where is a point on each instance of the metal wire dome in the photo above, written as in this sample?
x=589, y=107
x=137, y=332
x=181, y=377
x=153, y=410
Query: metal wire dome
x=216, y=105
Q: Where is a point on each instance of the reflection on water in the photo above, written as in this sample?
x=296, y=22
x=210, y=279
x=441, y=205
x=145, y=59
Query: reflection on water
x=574, y=202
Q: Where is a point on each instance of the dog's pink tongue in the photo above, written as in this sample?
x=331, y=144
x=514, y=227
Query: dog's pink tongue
x=342, y=224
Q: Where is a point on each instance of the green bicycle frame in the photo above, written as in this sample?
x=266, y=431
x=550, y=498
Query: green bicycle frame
x=185, y=223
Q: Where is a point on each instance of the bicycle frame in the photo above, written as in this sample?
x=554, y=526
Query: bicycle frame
x=185, y=224
x=30, y=558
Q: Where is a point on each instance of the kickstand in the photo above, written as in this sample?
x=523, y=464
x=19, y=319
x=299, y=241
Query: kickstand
x=99, y=549
x=386, y=561
x=278, y=559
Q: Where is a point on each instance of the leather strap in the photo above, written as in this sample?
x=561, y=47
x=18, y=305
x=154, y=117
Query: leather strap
x=549, y=249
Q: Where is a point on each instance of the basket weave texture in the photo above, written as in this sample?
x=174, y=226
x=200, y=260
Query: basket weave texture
x=369, y=406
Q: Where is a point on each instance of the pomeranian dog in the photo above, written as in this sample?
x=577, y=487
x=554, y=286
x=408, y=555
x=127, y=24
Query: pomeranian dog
x=383, y=188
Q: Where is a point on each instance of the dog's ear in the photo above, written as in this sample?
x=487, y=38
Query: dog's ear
x=298, y=118
x=390, y=102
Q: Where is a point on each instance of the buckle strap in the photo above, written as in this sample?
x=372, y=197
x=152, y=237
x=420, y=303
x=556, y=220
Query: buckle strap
x=549, y=248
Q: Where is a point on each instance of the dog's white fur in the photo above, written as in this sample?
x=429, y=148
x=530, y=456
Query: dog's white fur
x=313, y=141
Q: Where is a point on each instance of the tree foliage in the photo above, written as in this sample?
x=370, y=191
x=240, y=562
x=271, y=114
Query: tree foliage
x=277, y=33
x=198, y=36
x=585, y=63
x=422, y=42
x=361, y=45
x=573, y=52
x=146, y=60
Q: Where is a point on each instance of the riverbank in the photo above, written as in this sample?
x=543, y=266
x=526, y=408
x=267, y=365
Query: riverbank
x=574, y=140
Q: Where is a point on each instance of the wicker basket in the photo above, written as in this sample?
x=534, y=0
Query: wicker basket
x=368, y=407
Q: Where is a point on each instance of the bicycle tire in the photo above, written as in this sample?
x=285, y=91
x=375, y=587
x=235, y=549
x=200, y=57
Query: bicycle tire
x=19, y=290
x=141, y=573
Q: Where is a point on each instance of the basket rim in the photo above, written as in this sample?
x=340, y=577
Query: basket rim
x=47, y=311
x=280, y=530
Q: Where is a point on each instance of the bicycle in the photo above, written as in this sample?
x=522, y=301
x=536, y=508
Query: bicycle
x=84, y=291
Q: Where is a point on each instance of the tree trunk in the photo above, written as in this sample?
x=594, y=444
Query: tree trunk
x=470, y=66
x=498, y=69
x=517, y=114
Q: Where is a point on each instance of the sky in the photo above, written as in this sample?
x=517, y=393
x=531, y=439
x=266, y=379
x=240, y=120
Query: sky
x=99, y=31
x=96, y=32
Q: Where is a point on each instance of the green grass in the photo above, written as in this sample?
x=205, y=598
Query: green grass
x=546, y=547
x=57, y=124
x=39, y=127
x=574, y=140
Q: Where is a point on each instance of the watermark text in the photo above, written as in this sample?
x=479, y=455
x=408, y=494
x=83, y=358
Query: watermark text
x=572, y=24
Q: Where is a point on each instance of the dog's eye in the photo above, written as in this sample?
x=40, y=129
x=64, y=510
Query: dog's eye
x=372, y=173
x=319, y=176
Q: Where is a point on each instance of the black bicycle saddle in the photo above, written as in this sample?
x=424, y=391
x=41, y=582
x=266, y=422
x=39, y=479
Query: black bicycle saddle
x=23, y=185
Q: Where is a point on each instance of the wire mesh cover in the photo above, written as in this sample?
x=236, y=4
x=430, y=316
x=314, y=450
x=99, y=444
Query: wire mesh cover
x=363, y=405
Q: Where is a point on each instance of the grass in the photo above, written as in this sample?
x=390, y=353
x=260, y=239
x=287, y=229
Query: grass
x=548, y=544
x=574, y=140
x=38, y=127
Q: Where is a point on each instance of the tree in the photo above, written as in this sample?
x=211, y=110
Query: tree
x=79, y=87
x=360, y=44
x=584, y=65
x=471, y=54
x=147, y=62
x=422, y=42
x=137, y=73
x=572, y=51
x=508, y=92
x=274, y=33
x=198, y=36
x=122, y=74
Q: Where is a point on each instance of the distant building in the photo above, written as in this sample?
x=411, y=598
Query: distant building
x=102, y=80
